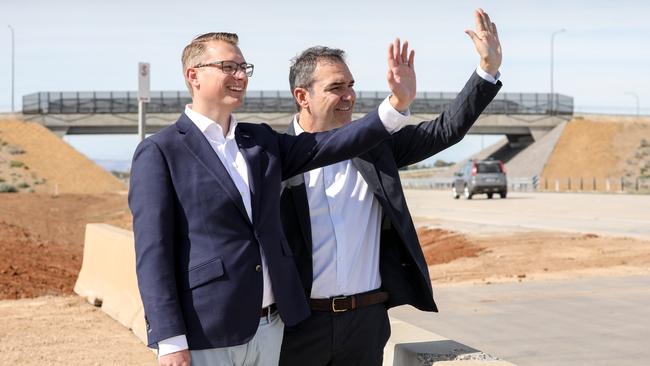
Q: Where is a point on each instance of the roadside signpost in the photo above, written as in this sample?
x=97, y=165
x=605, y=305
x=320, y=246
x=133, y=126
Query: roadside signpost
x=143, y=96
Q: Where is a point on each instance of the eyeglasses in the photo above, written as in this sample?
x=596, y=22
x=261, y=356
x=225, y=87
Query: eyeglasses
x=230, y=67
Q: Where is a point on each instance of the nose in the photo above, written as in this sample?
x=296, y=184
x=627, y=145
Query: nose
x=240, y=73
x=349, y=95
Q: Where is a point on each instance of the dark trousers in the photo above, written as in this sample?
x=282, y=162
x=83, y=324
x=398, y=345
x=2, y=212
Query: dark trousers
x=355, y=337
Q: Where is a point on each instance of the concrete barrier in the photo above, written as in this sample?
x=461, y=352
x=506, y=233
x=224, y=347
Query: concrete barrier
x=412, y=346
x=107, y=277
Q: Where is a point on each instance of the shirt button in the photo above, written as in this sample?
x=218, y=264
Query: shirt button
x=258, y=268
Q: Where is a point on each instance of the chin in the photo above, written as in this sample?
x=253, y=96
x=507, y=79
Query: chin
x=236, y=101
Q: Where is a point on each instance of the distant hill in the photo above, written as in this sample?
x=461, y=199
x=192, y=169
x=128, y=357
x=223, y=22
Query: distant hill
x=33, y=159
x=601, y=147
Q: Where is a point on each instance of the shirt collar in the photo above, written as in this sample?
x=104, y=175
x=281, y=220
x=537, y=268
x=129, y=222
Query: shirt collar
x=296, y=126
x=209, y=127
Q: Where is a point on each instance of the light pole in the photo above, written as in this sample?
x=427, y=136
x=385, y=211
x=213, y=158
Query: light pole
x=13, y=57
x=552, y=46
x=635, y=95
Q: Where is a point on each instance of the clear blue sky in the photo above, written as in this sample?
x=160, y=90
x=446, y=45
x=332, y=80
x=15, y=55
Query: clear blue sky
x=96, y=45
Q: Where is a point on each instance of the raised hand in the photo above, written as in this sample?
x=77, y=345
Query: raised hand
x=486, y=41
x=401, y=75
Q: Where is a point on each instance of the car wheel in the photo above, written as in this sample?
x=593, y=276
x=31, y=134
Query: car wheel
x=503, y=194
x=454, y=192
x=467, y=193
x=490, y=195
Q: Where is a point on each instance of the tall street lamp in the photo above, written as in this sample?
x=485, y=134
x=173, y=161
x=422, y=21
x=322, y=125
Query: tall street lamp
x=552, y=47
x=635, y=95
x=13, y=57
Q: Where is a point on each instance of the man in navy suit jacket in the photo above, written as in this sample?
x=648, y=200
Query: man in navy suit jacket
x=348, y=225
x=212, y=260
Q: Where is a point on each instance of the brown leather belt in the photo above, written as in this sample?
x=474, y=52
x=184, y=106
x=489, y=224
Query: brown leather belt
x=338, y=304
x=268, y=310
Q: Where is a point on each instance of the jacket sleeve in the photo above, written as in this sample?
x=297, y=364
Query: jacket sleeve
x=415, y=143
x=152, y=201
x=308, y=151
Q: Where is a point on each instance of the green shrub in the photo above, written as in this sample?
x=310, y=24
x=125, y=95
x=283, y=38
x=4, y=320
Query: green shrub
x=441, y=163
x=23, y=185
x=7, y=188
x=16, y=164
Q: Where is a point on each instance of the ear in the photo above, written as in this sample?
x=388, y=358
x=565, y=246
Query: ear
x=192, y=77
x=300, y=95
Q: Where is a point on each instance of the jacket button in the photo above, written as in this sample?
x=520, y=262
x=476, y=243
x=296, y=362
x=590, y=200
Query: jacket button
x=258, y=268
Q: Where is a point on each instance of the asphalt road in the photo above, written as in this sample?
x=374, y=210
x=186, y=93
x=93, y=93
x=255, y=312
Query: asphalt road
x=603, y=321
x=599, y=321
x=605, y=214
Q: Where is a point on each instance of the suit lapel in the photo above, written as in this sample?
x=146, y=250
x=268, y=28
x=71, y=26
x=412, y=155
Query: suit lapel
x=200, y=148
x=367, y=164
x=298, y=191
x=252, y=153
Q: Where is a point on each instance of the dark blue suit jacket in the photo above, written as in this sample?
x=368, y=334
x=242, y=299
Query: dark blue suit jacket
x=403, y=269
x=196, y=249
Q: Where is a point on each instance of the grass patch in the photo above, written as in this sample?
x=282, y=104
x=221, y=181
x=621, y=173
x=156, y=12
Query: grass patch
x=7, y=188
x=16, y=164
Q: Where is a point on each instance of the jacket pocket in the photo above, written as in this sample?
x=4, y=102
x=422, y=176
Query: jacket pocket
x=203, y=273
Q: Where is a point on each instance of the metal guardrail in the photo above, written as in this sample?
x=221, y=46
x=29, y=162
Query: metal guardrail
x=535, y=184
x=278, y=101
x=518, y=184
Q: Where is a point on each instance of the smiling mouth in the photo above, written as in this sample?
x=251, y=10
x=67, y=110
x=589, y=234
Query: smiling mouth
x=237, y=89
x=344, y=109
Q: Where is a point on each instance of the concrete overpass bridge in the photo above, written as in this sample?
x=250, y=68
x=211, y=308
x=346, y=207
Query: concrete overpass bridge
x=522, y=117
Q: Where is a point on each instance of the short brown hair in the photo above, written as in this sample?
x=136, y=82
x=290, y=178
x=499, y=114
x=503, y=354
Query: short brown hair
x=301, y=73
x=193, y=51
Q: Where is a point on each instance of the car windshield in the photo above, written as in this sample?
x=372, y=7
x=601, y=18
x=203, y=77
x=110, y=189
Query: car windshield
x=489, y=168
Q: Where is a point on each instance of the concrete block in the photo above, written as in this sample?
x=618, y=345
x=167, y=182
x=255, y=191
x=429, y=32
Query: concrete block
x=107, y=277
x=413, y=346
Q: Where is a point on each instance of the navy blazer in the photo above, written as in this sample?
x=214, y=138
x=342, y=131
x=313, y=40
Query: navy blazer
x=197, y=252
x=403, y=269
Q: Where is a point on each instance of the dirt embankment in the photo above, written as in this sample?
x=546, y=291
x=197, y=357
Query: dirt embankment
x=33, y=159
x=41, y=239
x=600, y=149
x=41, y=247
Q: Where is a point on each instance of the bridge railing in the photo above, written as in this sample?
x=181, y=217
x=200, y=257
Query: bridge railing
x=278, y=101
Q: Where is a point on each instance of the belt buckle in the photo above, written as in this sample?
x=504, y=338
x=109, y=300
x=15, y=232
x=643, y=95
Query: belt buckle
x=334, y=310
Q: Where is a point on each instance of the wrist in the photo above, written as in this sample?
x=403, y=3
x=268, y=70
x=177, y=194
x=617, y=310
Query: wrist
x=489, y=68
x=398, y=104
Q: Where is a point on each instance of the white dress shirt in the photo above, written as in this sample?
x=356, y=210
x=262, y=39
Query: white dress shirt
x=229, y=154
x=345, y=221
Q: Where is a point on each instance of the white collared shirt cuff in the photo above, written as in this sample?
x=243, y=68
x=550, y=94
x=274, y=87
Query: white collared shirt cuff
x=487, y=77
x=392, y=119
x=171, y=345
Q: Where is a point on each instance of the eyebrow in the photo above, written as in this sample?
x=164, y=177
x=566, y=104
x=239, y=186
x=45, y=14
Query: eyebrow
x=338, y=83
